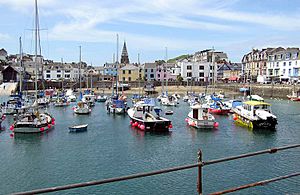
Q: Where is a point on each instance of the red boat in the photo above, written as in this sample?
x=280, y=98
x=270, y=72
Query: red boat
x=219, y=111
x=294, y=96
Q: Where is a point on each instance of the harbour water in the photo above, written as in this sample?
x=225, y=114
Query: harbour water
x=112, y=148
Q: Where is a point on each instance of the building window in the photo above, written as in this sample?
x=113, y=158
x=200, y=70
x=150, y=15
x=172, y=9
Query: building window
x=67, y=76
x=290, y=71
x=210, y=74
x=129, y=78
x=277, y=64
x=296, y=71
x=290, y=63
x=211, y=67
x=48, y=76
x=48, y=71
x=284, y=63
x=145, y=70
x=283, y=71
x=189, y=74
x=201, y=74
x=124, y=71
x=140, y=70
x=158, y=75
x=129, y=72
x=123, y=78
x=159, y=70
x=152, y=70
x=151, y=75
x=189, y=67
x=58, y=71
x=58, y=76
x=201, y=67
x=67, y=71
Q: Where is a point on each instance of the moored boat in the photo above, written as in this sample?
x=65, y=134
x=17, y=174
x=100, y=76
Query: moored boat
x=146, y=117
x=82, y=108
x=200, y=118
x=255, y=115
x=78, y=128
x=295, y=96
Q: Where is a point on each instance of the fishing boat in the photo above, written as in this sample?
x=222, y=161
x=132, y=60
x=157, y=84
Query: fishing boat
x=146, y=117
x=295, y=96
x=78, y=128
x=200, y=118
x=255, y=115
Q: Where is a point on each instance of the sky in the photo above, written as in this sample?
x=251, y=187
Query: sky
x=148, y=27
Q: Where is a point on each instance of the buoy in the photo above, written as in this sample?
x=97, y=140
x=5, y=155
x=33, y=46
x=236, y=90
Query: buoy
x=53, y=119
x=170, y=126
x=53, y=123
x=216, y=124
x=42, y=129
x=131, y=122
x=11, y=135
x=49, y=126
x=3, y=117
x=73, y=108
x=135, y=124
x=139, y=125
x=11, y=127
x=235, y=117
x=193, y=123
x=142, y=127
x=186, y=120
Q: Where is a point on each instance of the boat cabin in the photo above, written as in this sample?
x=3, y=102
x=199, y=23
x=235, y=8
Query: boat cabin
x=250, y=107
x=199, y=113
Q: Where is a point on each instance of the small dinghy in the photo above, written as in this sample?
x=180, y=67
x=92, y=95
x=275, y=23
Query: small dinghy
x=78, y=128
x=169, y=112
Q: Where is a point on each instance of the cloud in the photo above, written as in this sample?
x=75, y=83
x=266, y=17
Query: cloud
x=4, y=37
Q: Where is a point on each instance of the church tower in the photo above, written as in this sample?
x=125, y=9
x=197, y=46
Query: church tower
x=124, y=55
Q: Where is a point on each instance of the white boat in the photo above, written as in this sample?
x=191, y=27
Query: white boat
x=89, y=99
x=70, y=96
x=101, y=98
x=169, y=101
x=33, y=120
x=255, y=115
x=78, y=128
x=186, y=98
x=116, y=106
x=82, y=108
x=146, y=117
x=200, y=118
x=255, y=98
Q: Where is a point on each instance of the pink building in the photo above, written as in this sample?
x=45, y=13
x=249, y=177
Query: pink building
x=164, y=72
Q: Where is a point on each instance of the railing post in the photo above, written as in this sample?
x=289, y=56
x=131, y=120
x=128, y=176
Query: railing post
x=199, y=185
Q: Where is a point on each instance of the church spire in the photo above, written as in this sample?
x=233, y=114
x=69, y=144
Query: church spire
x=124, y=55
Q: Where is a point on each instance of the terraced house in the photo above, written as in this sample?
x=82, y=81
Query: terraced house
x=283, y=64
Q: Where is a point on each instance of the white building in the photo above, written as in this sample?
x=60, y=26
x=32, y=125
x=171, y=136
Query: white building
x=202, y=66
x=65, y=71
x=283, y=64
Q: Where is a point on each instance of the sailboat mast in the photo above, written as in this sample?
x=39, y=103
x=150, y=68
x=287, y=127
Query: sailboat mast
x=166, y=70
x=36, y=47
x=117, y=62
x=79, y=69
x=214, y=68
x=63, y=76
x=139, y=74
x=21, y=65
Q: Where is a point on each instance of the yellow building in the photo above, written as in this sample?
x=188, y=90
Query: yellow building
x=130, y=72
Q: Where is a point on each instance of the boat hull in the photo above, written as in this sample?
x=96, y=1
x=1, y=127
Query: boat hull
x=219, y=111
x=269, y=124
x=33, y=129
x=201, y=124
x=80, y=128
x=153, y=126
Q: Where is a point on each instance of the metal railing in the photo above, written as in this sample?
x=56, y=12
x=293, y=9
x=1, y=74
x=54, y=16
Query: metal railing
x=200, y=165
